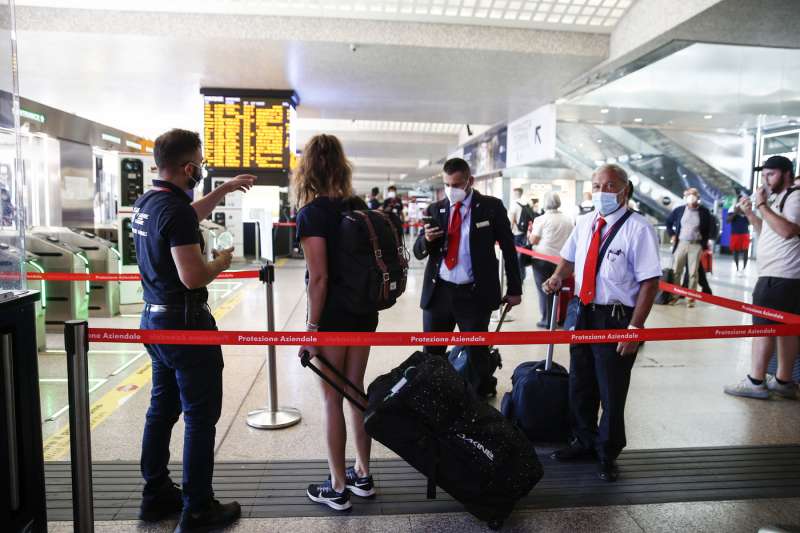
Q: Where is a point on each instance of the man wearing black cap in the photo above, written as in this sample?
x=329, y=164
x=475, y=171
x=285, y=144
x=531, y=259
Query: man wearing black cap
x=778, y=286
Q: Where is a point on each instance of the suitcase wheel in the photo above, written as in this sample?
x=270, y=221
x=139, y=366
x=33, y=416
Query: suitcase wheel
x=495, y=525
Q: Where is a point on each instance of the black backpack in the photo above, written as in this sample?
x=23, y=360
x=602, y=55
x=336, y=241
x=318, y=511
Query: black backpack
x=526, y=216
x=371, y=262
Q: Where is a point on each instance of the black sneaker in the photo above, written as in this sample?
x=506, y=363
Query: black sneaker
x=363, y=487
x=326, y=495
x=215, y=516
x=166, y=503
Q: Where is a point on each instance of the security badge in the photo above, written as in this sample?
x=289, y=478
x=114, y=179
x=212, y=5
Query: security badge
x=482, y=224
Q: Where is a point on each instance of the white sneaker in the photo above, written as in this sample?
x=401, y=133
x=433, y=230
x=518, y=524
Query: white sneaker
x=788, y=391
x=746, y=389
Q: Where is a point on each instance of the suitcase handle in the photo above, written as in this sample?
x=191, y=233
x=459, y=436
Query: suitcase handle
x=305, y=360
x=506, y=309
x=548, y=364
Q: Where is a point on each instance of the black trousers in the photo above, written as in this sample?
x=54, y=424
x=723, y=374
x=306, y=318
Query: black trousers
x=451, y=306
x=599, y=376
x=523, y=259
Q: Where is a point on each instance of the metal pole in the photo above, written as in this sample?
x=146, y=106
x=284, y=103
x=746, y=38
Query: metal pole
x=76, y=343
x=272, y=416
x=6, y=347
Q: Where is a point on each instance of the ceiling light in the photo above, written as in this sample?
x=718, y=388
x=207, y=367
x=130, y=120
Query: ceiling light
x=600, y=141
x=604, y=111
x=708, y=117
x=638, y=119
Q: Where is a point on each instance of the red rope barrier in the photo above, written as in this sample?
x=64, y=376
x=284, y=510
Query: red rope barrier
x=296, y=338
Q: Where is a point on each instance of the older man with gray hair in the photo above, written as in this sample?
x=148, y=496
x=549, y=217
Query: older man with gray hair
x=614, y=252
x=548, y=234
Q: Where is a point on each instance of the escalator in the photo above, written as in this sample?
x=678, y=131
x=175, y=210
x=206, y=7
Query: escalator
x=659, y=168
x=584, y=147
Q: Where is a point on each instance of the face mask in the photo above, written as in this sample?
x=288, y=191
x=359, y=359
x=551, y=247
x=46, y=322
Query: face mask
x=391, y=194
x=691, y=199
x=605, y=202
x=196, y=177
x=454, y=194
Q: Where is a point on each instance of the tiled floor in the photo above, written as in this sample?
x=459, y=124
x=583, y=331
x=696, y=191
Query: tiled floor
x=773, y=515
x=675, y=400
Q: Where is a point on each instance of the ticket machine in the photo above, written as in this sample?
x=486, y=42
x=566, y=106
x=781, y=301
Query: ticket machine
x=66, y=300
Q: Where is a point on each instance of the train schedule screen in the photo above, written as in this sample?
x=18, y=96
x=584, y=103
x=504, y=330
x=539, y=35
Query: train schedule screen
x=247, y=133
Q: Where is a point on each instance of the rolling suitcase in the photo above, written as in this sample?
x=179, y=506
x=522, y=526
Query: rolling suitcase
x=479, y=374
x=428, y=414
x=539, y=399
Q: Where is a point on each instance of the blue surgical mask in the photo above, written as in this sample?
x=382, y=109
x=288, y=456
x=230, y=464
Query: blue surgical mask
x=605, y=202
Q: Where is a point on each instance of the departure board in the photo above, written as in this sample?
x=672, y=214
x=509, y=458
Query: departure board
x=247, y=132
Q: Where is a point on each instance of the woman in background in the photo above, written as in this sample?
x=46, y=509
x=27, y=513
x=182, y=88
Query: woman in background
x=740, y=236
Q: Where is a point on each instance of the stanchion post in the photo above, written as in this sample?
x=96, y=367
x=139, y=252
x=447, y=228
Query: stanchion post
x=76, y=343
x=272, y=416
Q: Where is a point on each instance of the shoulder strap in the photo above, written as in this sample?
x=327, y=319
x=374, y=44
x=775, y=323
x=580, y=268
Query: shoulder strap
x=789, y=191
x=610, y=237
x=376, y=249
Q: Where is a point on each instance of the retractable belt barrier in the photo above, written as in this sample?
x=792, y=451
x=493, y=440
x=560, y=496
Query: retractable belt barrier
x=110, y=276
x=755, y=310
x=390, y=338
x=293, y=224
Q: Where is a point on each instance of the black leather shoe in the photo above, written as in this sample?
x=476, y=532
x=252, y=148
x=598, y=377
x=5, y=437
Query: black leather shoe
x=215, y=516
x=166, y=503
x=608, y=471
x=574, y=451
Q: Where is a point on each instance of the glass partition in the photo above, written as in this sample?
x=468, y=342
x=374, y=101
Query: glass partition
x=12, y=179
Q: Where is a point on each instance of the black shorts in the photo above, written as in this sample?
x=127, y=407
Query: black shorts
x=782, y=294
x=340, y=320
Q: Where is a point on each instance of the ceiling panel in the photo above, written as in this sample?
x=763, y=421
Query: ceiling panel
x=597, y=16
x=711, y=80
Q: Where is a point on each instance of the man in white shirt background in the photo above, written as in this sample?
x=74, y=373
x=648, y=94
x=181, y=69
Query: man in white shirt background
x=778, y=285
x=614, y=253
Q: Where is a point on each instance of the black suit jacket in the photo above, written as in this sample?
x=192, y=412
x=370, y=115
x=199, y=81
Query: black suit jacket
x=485, y=268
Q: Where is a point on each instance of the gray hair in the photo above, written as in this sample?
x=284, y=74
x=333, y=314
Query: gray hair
x=552, y=201
x=616, y=169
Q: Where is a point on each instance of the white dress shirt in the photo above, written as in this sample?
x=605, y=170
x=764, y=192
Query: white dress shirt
x=631, y=258
x=462, y=272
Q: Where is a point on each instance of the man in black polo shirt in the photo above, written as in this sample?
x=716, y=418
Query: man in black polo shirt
x=186, y=379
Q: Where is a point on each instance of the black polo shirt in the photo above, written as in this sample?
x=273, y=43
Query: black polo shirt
x=162, y=218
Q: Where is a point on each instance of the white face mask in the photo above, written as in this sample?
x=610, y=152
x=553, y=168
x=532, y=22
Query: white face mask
x=391, y=194
x=605, y=203
x=691, y=199
x=454, y=194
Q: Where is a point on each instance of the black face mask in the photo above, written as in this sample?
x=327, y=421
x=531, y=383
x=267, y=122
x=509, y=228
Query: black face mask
x=196, y=177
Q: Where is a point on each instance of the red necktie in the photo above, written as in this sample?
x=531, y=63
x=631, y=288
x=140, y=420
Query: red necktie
x=453, y=238
x=590, y=266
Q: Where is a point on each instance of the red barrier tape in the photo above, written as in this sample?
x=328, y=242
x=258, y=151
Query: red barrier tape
x=536, y=255
x=295, y=338
x=292, y=224
x=755, y=310
x=108, y=276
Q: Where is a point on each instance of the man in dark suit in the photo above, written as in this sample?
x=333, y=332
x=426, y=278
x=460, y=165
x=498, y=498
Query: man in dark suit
x=462, y=284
